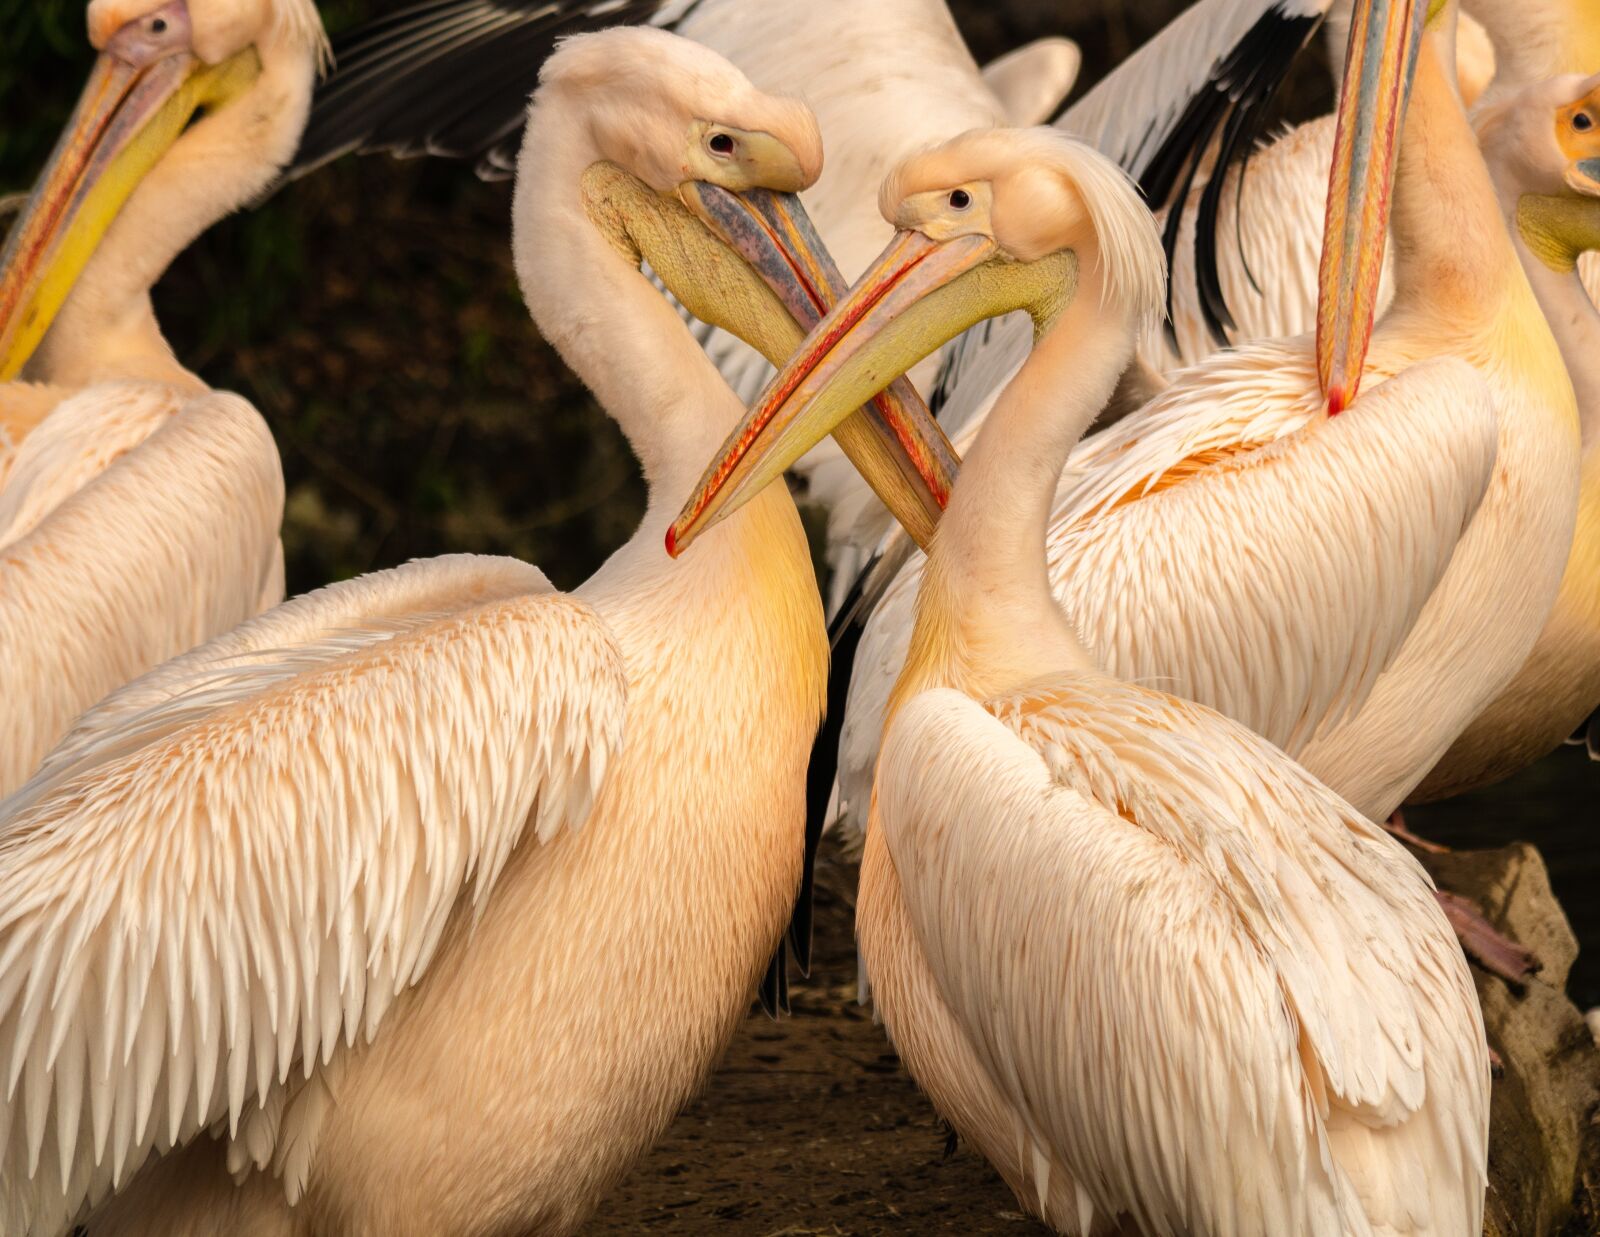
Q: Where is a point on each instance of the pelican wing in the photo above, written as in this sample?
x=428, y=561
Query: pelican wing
x=1214, y=548
x=133, y=526
x=451, y=77
x=1158, y=110
x=246, y=856
x=1265, y=548
x=1223, y=1000
x=1031, y=81
x=1268, y=242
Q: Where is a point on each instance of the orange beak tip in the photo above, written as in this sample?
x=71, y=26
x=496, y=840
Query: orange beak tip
x=1338, y=400
x=672, y=542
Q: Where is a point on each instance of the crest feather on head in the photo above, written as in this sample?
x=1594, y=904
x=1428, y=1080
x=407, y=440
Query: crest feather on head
x=646, y=81
x=1050, y=189
x=298, y=22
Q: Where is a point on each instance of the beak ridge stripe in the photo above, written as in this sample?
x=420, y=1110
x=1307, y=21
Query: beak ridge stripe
x=797, y=373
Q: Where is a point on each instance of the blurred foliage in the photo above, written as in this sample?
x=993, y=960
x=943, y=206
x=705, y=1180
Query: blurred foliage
x=370, y=312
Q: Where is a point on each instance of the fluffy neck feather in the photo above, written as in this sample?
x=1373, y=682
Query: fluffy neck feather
x=987, y=619
x=107, y=328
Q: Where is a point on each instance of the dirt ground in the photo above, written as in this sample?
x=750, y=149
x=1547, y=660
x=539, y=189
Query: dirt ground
x=811, y=1126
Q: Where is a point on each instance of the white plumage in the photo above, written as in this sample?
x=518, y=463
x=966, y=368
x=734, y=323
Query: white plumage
x=433, y=895
x=1129, y=114
x=134, y=523
x=1151, y=968
x=280, y=827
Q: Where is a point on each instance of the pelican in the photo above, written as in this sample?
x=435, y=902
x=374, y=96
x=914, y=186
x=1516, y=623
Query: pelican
x=139, y=509
x=1241, y=514
x=1144, y=962
x=1524, y=132
x=1543, y=144
x=436, y=893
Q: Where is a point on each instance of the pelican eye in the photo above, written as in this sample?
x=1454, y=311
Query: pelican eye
x=158, y=26
x=960, y=199
x=1583, y=122
x=720, y=144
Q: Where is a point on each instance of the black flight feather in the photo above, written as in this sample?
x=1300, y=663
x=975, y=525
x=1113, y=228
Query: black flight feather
x=844, y=638
x=450, y=78
x=773, y=992
x=1233, y=109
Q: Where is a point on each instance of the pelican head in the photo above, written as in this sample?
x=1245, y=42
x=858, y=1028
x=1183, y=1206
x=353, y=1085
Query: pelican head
x=162, y=65
x=991, y=222
x=696, y=164
x=1544, y=144
x=692, y=160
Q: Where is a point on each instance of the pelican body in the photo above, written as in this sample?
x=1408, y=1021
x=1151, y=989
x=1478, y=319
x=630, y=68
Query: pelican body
x=435, y=894
x=1155, y=972
x=1266, y=242
x=139, y=509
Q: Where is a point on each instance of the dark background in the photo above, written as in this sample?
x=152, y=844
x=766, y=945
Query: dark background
x=370, y=312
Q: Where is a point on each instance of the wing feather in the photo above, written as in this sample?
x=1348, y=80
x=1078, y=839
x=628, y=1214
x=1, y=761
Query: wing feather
x=243, y=858
x=1132, y=113
x=1268, y=242
x=1179, y=954
x=131, y=528
x=451, y=78
x=1233, y=585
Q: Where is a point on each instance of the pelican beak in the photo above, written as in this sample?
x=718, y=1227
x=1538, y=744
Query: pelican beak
x=917, y=296
x=893, y=441
x=141, y=94
x=1384, y=38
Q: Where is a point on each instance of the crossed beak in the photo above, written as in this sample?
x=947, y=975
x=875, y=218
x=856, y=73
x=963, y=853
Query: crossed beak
x=893, y=440
x=141, y=94
x=890, y=320
x=1384, y=38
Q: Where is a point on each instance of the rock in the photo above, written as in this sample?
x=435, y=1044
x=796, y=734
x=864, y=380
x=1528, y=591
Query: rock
x=1544, y=1139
